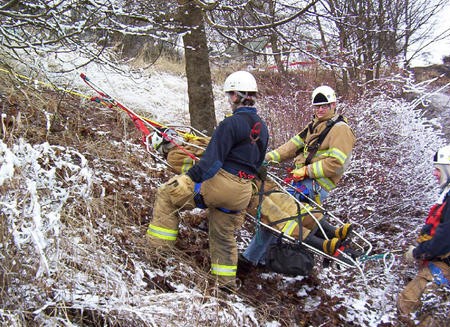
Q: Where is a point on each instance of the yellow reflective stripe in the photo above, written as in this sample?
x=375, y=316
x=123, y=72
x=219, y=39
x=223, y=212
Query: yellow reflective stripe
x=326, y=183
x=187, y=164
x=289, y=227
x=317, y=169
x=298, y=141
x=334, y=153
x=274, y=156
x=338, y=154
x=306, y=209
x=321, y=153
x=162, y=233
x=223, y=270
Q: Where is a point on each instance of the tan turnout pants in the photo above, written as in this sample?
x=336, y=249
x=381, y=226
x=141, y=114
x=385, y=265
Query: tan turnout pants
x=224, y=190
x=409, y=299
x=278, y=205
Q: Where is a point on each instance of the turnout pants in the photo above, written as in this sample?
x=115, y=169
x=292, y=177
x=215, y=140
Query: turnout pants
x=226, y=197
x=409, y=299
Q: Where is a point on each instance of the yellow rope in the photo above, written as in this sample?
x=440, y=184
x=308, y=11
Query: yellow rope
x=189, y=136
x=48, y=85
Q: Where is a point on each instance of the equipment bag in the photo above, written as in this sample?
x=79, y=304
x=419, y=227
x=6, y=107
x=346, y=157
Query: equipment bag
x=289, y=259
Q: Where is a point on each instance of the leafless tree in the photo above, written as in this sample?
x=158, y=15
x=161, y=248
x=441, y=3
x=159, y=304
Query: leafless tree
x=367, y=36
x=356, y=39
x=242, y=24
x=201, y=100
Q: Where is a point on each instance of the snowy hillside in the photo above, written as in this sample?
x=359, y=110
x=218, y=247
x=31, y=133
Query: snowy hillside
x=77, y=191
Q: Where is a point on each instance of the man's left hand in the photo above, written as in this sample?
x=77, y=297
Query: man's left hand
x=300, y=174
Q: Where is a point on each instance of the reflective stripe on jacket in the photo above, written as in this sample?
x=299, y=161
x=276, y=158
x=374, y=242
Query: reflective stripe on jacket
x=332, y=158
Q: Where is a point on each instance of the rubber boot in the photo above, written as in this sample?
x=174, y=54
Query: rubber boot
x=330, y=231
x=344, y=231
x=328, y=246
x=341, y=233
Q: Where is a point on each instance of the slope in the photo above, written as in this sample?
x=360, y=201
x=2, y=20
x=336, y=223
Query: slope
x=77, y=191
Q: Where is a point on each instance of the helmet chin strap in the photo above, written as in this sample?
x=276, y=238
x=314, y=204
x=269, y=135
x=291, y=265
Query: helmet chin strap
x=242, y=96
x=444, y=192
x=445, y=176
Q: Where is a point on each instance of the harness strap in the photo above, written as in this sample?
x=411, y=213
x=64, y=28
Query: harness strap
x=258, y=210
x=198, y=198
x=298, y=218
x=313, y=148
x=255, y=130
x=282, y=220
x=228, y=211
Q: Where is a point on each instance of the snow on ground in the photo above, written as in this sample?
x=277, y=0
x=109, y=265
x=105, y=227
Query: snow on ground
x=36, y=221
x=33, y=209
x=162, y=95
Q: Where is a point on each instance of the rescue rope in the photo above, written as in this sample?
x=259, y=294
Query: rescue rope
x=109, y=102
x=388, y=259
x=140, y=122
x=47, y=85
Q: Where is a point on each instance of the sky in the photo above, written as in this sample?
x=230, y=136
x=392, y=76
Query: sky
x=434, y=53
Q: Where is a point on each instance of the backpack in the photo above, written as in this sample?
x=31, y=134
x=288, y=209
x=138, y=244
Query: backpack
x=289, y=259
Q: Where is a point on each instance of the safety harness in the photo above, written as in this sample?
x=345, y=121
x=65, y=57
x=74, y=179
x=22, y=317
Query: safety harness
x=314, y=145
x=433, y=220
x=254, y=138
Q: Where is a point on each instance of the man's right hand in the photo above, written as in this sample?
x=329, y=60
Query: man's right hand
x=409, y=256
x=300, y=174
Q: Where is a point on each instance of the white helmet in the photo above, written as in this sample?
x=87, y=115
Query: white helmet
x=442, y=156
x=157, y=140
x=165, y=140
x=323, y=95
x=442, y=162
x=240, y=81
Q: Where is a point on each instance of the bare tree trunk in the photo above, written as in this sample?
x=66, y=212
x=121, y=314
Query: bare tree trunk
x=198, y=72
x=277, y=53
x=342, y=43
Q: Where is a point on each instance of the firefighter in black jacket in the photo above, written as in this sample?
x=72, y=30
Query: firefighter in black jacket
x=433, y=249
x=221, y=181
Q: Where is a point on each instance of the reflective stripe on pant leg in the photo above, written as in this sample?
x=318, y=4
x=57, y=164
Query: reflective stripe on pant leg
x=170, y=197
x=223, y=270
x=223, y=247
x=225, y=190
x=162, y=233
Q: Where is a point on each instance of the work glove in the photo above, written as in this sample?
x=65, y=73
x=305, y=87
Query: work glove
x=262, y=172
x=270, y=158
x=300, y=174
x=408, y=256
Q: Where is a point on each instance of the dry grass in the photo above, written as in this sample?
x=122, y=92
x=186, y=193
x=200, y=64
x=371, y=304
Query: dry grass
x=100, y=269
x=163, y=63
x=83, y=257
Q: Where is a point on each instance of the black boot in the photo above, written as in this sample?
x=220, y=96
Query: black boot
x=344, y=231
x=328, y=246
x=330, y=231
x=341, y=233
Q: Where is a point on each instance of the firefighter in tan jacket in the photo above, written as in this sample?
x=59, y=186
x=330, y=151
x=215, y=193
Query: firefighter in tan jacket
x=321, y=151
x=328, y=164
